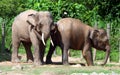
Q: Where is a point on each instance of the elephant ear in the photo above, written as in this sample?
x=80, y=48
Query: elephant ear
x=94, y=34
x=32, y=19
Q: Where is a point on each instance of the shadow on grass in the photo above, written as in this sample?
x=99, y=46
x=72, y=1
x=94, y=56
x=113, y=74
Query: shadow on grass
x=60, y=63
x=5, y=56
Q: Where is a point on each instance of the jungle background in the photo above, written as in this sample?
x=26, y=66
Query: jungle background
x=91, y=12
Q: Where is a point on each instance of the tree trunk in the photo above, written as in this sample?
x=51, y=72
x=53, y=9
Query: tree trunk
x=108, y=34
x=119, y=47
x=3, y=37
x=94, y=50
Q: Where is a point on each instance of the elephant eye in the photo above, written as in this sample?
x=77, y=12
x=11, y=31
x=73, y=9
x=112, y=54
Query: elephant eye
x=40, y=25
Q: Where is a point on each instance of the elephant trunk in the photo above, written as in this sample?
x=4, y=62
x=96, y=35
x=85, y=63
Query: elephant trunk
x=51, y=41
x=107, y=55
x=39, y=36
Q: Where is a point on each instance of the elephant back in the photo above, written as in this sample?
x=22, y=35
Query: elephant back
x=24, y=15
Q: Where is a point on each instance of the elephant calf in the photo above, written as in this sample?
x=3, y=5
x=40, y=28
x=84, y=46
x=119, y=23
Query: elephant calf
x=73, y=34
x=31, y=28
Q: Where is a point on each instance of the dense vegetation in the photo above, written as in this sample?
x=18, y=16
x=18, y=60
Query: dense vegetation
x=89, y=11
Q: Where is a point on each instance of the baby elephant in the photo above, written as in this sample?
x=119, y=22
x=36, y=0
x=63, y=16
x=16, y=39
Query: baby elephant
x=71, y=33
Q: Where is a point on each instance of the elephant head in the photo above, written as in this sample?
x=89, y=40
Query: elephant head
x=41, y=23
x=100, y=41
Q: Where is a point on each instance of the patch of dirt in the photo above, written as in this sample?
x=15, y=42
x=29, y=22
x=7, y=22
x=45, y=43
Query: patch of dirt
x=11, y=73
x=49, y=73
x=59, y=59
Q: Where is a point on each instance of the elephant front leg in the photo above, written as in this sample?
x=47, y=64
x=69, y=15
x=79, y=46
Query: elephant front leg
x=37, y=60
x=36, y=44
x=49, y=55
x=88, y=57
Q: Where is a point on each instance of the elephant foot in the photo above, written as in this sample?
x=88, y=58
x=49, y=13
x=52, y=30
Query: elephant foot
x=38, y=63
x=15, y=60
x=29, y=61
x=90, y=64
x=65, y=63
x=102, y=64
x=48, y=62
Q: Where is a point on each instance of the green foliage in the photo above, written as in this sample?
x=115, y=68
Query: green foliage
x=10, y=8
x=88, y=11
x=109, y=7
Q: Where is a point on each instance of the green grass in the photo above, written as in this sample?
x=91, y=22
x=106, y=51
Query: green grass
x=29, y=69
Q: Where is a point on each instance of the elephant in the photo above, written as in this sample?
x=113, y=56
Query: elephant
x=31, y=27
x=71, y=33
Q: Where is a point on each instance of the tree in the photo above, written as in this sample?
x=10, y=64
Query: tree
x=9, y=9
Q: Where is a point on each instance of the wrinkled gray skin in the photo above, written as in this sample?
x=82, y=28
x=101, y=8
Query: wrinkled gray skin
x=31, y=28
x=73, y=34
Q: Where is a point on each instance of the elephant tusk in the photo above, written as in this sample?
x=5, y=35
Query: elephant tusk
x=43, y=38
x=51, y=41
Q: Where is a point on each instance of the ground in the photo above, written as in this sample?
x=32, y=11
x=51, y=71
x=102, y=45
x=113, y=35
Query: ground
x=76, y=67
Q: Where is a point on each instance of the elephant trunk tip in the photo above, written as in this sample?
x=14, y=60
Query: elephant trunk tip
x=107, y=55
x=51, y=41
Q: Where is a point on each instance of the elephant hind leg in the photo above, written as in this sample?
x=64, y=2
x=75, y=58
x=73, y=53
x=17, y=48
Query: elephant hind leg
x=65, y=54
x=29, y=54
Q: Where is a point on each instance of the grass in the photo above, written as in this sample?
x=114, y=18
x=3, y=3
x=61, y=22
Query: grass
x=29, y=69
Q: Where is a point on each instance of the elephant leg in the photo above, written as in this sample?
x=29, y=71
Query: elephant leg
x=29, y=54
x=42, y=52
x=36, y=46
x=65, y=56
x=65, y=47
x=49, y=55
x=37, y=56
x=69, y=54
x=88, y=57
x=15, y=46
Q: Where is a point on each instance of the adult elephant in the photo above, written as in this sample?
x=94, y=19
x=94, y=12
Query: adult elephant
x=31, y=28
x=73, y=34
